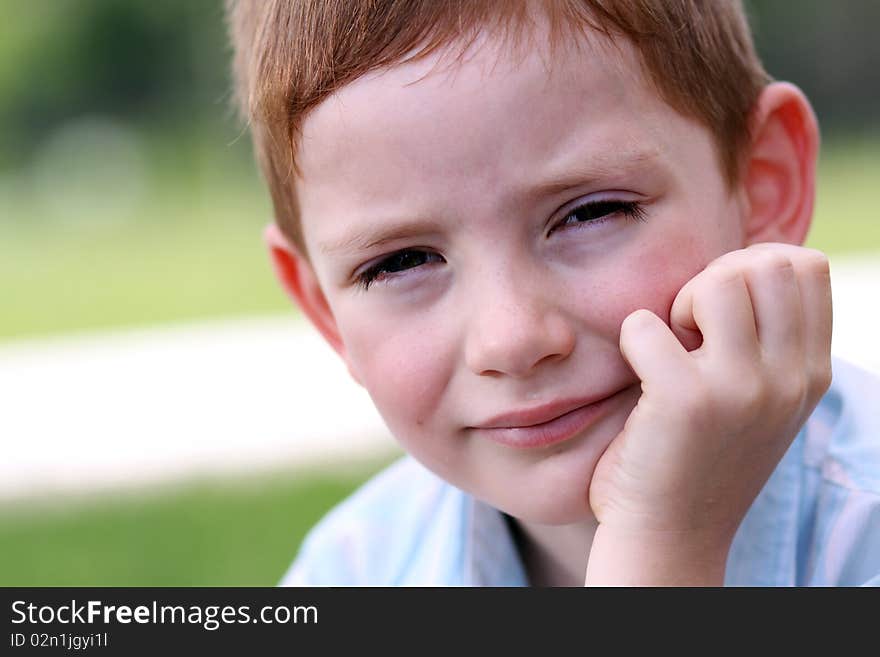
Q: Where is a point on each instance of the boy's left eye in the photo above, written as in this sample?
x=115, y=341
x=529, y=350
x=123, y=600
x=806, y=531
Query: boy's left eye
x=594, y=212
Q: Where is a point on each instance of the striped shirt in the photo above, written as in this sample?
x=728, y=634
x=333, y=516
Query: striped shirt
x=816, y=522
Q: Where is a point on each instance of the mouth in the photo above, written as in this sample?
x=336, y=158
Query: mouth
x=545, y=425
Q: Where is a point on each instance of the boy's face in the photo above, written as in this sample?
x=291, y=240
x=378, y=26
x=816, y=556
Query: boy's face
x=457, y=190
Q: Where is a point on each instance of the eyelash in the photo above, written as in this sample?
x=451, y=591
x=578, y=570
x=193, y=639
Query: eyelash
x=369, y=275
x=603, y=208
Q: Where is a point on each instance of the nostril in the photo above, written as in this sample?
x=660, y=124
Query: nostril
x=519, y=348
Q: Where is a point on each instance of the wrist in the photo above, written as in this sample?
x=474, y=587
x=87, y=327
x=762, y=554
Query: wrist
x=629, y=557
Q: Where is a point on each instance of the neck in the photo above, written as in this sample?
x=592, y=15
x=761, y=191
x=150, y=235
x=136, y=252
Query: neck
x=554, y=555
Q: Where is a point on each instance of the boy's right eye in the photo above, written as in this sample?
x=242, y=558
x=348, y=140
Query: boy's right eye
x=395, y=264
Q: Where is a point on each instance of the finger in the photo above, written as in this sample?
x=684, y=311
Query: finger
x=651, y=349
x=812, y=273
x=814, y=280
x=773, y=287
x=716, y=302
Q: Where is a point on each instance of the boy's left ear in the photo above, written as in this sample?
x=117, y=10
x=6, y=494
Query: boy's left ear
x=780, y=174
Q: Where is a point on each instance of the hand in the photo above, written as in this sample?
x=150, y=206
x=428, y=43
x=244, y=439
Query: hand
x=712, y=423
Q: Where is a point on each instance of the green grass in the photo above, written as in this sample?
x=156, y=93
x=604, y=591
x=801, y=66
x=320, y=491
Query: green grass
x=242, y=532
x=178, y=260
x=846, y=217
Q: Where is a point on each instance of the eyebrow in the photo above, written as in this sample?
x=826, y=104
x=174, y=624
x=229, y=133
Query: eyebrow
x=391, y=231
x=578, y=173
x=573, y=175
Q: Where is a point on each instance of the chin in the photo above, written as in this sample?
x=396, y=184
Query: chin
x=555, y=491
x=549, y=486
x=562, y=499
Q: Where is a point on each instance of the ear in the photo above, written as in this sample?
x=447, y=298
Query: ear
x=780, y=176
x=299, y=281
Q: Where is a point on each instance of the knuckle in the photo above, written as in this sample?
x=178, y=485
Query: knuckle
x=814, y=255
x=795, y=391
x=766, y=263
x=722, y=274
x=814, y=261
x=820, y=380
x=774, y=262
x=760, y=248
x=725, y=260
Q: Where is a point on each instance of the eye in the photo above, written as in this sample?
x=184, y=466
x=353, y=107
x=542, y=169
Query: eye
x=395, y=264
x=595, y=212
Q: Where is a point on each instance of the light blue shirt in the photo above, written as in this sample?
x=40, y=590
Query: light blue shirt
x=815, y=523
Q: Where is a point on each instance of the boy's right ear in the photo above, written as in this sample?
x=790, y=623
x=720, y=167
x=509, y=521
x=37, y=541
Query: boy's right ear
x=299, y=281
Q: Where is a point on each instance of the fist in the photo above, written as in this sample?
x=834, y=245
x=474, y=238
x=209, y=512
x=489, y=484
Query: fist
x=712, y=423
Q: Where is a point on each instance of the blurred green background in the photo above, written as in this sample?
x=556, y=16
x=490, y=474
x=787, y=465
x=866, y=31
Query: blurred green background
x=128, y=197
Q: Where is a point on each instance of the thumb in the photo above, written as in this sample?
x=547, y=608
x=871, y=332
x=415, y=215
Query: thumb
x=650, y=347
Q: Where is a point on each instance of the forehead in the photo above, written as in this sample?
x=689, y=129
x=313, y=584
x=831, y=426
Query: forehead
x=443, y=132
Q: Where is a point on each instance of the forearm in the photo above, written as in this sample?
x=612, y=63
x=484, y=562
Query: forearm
x=630, y=558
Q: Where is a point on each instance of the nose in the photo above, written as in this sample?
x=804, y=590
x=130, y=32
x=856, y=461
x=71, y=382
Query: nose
x=514, y=328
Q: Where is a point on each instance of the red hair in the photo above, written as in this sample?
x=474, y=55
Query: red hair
x=290, y=55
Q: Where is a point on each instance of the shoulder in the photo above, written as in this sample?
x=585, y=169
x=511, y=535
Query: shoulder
x=841, y=457
x=843, y=434
x=816, y=522
x=383, y=534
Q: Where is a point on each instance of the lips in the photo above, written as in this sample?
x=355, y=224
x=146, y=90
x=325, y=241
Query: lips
x=544, y=425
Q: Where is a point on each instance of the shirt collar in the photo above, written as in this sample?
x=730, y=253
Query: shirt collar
x=491, y=556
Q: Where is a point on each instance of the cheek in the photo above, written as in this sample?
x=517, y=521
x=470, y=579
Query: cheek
x=405, y=371
x=651, y=279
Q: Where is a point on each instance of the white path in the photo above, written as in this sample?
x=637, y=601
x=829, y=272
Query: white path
x=114, y=409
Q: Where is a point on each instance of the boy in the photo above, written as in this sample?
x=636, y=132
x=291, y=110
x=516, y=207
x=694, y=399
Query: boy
x=559, y=244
